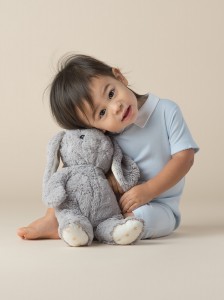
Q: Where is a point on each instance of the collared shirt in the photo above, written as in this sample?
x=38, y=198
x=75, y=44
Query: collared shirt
x=158, y=132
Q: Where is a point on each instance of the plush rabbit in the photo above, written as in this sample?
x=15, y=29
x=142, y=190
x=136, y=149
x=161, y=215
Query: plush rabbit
x=85, y=205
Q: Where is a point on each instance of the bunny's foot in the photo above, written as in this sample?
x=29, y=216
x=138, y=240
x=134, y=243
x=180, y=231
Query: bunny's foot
x=128, y=232
x=75, y=236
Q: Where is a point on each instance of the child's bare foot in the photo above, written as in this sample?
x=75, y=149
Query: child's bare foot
x=43, y=228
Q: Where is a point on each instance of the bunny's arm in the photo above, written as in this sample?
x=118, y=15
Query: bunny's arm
x=54, y=192
x=124, y=169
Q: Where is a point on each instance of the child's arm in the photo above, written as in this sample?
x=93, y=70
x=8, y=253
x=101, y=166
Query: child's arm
x=174, y=171
x=113, y=183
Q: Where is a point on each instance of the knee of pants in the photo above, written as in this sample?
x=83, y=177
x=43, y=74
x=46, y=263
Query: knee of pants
x=158, y=218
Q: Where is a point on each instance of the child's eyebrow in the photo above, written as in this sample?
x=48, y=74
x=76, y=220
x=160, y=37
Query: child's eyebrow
x=105, y=88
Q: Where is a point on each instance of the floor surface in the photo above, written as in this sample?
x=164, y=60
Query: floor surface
x=189, y=264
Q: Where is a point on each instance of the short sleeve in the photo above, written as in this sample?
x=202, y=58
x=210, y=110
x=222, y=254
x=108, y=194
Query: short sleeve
x=179, y=135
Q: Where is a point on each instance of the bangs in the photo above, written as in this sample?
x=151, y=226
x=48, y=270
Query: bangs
x=81, y=92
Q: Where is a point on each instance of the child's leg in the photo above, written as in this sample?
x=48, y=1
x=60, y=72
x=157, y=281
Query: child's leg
x=43, y=228
x=159, y=220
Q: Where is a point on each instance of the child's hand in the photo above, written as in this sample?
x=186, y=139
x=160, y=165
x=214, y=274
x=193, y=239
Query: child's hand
x=113, y=183
x=134, y=198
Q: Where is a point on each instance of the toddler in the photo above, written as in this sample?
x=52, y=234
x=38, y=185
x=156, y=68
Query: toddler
x=88, y=93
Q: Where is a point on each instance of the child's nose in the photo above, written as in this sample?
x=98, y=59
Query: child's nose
x=116, y=107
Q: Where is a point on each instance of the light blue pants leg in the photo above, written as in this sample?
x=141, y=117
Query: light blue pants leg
x=158, y=218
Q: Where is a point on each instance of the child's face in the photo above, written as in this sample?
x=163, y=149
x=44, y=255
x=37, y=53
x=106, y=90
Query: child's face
x=114, y=106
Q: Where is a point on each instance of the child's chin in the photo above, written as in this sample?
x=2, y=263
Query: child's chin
x=120, y=130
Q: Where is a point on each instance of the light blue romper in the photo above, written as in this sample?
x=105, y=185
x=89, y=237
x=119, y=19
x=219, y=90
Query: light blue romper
x=159, y=132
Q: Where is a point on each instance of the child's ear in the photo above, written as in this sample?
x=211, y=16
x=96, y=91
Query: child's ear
x=119, y=76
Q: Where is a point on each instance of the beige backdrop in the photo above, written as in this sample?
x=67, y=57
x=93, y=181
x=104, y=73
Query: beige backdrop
x=173, y=49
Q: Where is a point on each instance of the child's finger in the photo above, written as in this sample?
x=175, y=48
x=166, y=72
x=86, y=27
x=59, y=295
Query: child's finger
x=127, y=205
x=132, y=207
x=123, y=198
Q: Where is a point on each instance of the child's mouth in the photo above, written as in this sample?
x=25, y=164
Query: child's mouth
x=126, y=114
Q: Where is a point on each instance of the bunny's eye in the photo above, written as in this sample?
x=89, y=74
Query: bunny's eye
x=82, y=136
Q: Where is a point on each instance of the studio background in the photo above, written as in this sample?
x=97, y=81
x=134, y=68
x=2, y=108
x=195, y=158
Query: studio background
x=173, y=49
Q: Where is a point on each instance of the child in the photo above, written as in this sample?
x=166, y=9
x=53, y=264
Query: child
x=88, y=93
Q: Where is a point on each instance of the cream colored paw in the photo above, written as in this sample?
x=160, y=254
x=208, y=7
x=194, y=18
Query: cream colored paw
x=128, y=232
x=75, y=236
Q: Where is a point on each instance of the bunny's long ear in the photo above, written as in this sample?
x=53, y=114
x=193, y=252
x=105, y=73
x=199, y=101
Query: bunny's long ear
x=53, y=157
x=125, y=170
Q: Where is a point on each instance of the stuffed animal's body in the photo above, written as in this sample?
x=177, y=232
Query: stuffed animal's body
x=84, y=202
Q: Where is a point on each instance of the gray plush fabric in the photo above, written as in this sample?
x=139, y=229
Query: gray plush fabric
x=80, y=192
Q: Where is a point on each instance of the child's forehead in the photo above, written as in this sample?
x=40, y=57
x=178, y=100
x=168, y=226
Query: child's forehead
x=99, y=83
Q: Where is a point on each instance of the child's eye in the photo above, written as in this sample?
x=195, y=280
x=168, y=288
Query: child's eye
x=102, y=113
x=111, y=94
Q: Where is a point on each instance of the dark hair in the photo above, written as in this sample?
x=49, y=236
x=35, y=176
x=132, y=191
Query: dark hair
x=71, y=86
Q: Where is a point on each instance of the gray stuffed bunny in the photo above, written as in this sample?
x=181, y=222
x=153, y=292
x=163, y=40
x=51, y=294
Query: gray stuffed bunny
x=85, y=205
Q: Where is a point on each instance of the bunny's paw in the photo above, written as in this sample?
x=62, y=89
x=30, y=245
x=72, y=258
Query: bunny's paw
x=56, y=197
x=128, y=232
x=75, y=236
